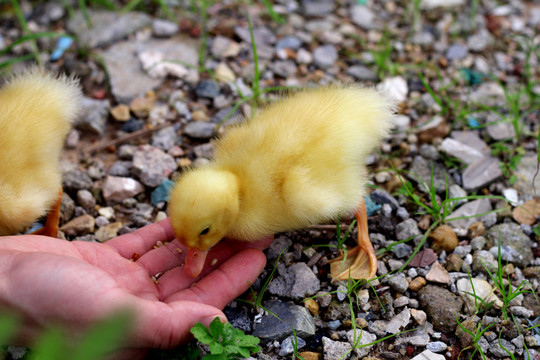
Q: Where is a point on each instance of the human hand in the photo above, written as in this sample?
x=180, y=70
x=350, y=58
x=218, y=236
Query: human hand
x=51, y=281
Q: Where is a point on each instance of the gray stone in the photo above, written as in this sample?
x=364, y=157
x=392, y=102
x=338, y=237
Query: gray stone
x=501, y=131
x=317, y=7
x=510, y=235
x=456, y=52
x=120, y=168
x=362, y=73
x=421, y=172
x=433, y=4
x=479, y=41
x=93, y=115
x=407, y=229
x=76, y=180
x=472, y=208
x=441, y=306
x=362, y=16
x=325, y=56
x=205, y=151
x=297, y=281
x=359, y=341
x=455, y=192
x=399, y=283
x=284, y=68
x=223, y=46
x=200, y=129
x=238, y=317
x=127, y=77
x=399, y=322
x=501, y=351
x=107, y=26
x=471, y=139
x=207, y=89
x=287, y=347
x=165, y=138
x=430, y=152
x=86, y=199
x=120, y=188
x=289, y=42
x=384, y=197
x=481, y=173
x=378, y=327
x=461, y=151
x=521, y=311
x=164, y=28
x=336, y=350
x=525, y=173
x=289, y=316
x=437, y=346
x=263, y=35
x=488, y=94
x=422, y=38
x=152, y=166
x=416, y=338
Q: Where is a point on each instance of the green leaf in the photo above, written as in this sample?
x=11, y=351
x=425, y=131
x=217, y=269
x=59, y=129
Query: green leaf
x=216, y=328
x=216, y=348
x=247, y=340
x=215, y=357
x=8, y=325
x=201, y=333
x=104, y=337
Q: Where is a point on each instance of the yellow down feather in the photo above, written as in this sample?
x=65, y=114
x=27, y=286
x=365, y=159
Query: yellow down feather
x=36, y=113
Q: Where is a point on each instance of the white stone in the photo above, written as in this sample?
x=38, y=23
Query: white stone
x=482, y=289
x=461, y=151
x=394, y=87
x=428, y=355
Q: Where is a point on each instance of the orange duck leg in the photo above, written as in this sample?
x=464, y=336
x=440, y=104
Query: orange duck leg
x=360, y=262
x=53, y=219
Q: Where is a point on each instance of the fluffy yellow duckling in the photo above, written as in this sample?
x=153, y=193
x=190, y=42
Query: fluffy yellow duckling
x=36, y=112
x=297, y=163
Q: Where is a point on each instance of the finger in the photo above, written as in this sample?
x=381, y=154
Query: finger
x=163, y=258
x=167, y=325
x=226, y=282
x=142, y=240
x=175, y=278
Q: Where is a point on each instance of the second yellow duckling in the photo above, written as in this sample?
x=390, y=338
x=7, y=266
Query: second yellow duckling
x=297, y=163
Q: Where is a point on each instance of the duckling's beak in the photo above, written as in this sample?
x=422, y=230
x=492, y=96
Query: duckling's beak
x=360, y=262
x=53, y=218
x=194, y=262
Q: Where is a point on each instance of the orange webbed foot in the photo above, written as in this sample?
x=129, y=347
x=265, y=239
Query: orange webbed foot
x=53, y=219
x=360, y=262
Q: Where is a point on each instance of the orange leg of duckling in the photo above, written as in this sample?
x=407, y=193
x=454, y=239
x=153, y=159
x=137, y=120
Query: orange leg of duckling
x=360, y=262
x=53, y=219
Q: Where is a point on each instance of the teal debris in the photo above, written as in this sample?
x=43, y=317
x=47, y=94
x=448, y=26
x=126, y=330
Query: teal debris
x=161, y=193
x=371, y=206
x=472, y=77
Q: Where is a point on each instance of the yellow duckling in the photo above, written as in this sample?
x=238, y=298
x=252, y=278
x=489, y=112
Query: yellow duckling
x=297, y=163
x=36, y=112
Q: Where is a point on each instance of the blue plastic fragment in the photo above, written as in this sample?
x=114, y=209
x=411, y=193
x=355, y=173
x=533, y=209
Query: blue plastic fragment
x=371, y=206
x=63, y=43
x=473, y=123
x=35, y=227
x=161, y=193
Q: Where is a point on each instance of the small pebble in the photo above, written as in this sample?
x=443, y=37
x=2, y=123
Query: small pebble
x=417, y=283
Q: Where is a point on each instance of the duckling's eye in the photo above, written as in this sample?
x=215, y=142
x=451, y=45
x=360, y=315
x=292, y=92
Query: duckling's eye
x=205, y=230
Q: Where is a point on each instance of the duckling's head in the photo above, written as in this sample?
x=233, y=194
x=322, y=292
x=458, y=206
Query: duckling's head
x=203, y=205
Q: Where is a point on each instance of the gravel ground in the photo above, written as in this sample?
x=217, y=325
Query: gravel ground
x=465, y=75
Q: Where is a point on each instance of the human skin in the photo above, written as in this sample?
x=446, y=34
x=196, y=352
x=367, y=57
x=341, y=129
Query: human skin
x=75, y=284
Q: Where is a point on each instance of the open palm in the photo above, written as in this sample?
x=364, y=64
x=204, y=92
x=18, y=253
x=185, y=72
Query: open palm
x=76, y=283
